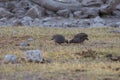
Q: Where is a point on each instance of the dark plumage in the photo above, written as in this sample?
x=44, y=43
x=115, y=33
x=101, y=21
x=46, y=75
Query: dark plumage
x=81, y=35
x=79, y=38
x=58, y=38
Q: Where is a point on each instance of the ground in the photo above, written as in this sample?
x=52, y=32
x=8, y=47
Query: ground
x=85, y=61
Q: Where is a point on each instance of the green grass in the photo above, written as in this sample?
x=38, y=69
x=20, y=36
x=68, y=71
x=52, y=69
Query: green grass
x=67, y=60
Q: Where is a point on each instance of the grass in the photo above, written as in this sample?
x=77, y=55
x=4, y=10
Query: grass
x=67, y=60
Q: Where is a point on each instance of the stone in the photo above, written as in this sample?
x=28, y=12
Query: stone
x=91, y=3
x=24, y=44
x=21, y=7
x=77, y=14
x=67, y=1
x=3, y=19
x=30, y=39
x=84, y=23
x=98, y=22
x=10, y=6
x=35, y=12
x=115, y=24
x=27, y=21
x=91, y=12
x=87, y=13
x=17, y=22
x=5, y=14
x=25, y=4
x=10, y=58
x=64, y=13
x=116, y=13
x=118, y=7
x=118, y=24
x=50, y=13
x=108, y=8
x=34, y=55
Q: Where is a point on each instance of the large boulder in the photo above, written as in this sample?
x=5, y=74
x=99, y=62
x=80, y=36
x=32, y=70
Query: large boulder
x=87, y=13
x=98, y=22
x=35, y=12
x=91, y=3
x=21, y=8
x=34, y=56
x=64, y=13
x=5, y=13
x=108, y=7
x=27, y=21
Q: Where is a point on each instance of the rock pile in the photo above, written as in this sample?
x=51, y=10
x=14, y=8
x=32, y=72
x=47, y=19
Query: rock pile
x=65, y=13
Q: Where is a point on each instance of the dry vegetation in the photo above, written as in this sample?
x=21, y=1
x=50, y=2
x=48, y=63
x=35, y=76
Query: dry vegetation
x=67, y=61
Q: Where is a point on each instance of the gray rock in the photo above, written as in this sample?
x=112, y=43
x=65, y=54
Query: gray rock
x=98, y=22
x=3, y=19
x=93, y=3
x=115, y=24
x=23, y=44
x=35, y=12
x=34, y=55
x=116, y=13
x=5, y=14
x=64, y=13
x=91, y=12
x=78, y=14
x=67, y=1
x=25, y=4
x=11, y=5
x=27, y=21
x=87, y=13
x=37, y=22
x=118, y=7
x=85, y=23
x=10, y=58
x=21, y=7
x=30, y=39
x=17, y=22
x=50, y=13
x=118, y=24
x=108, y=8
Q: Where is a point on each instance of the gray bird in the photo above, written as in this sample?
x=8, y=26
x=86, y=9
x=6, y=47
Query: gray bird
x=58, y=38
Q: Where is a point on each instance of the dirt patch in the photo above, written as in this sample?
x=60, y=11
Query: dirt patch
x=4, y=40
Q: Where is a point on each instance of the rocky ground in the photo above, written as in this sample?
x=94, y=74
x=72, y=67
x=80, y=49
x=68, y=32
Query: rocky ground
x=93, y=13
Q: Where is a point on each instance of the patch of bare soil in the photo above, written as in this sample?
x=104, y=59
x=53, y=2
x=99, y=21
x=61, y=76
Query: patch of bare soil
x=4, y=40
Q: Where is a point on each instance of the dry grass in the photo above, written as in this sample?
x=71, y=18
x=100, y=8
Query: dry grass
x=68, y=61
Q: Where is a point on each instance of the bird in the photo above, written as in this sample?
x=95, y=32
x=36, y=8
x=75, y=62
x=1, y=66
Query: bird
x=81, y=35
x=58, y=38
x=79, y=38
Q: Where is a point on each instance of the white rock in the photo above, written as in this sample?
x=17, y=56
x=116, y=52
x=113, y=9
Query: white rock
x=9, y=58
x=34, y=55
